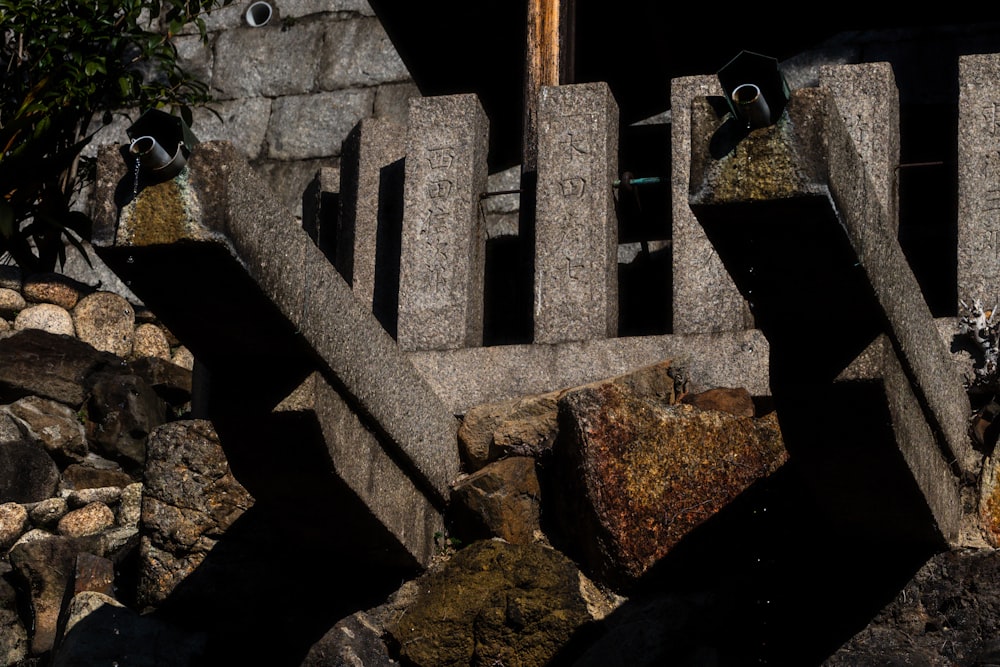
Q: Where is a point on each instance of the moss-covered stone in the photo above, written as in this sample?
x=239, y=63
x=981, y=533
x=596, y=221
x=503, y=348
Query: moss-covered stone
x=493, y=603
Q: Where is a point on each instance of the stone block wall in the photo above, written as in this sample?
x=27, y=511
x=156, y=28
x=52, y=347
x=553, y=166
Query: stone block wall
x=288, y=93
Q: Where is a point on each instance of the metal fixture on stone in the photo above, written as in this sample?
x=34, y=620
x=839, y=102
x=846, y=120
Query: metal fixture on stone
x=756, y=90
x=161, y=143
x=259, y=14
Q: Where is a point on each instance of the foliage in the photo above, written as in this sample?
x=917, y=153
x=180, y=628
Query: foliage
x=67, y=66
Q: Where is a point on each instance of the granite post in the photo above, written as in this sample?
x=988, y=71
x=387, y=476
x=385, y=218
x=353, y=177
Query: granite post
x=705, y=298
x=979, y=179
x=444, y=242
x=370, y=219
x=576, y=230
x=868, y=101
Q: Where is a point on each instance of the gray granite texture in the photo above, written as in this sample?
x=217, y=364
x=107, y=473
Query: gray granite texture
x=576, y=229
x=444, y=237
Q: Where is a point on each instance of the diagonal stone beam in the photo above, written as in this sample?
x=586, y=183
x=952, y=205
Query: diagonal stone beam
x=240, y=282
x=798, y=223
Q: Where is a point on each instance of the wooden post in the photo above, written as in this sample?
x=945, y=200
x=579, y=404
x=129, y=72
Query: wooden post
x=548, y=62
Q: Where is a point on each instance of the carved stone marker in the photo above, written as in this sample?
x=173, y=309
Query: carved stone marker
x=979, y=179
x=576, y=234
x=444, y=244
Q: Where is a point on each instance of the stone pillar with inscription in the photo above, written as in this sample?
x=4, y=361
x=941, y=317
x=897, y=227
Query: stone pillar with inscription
x=371, y=209
x=979, y=179
x=868, y=100
x=705, y=298
x=444, y=242
x=576, y=230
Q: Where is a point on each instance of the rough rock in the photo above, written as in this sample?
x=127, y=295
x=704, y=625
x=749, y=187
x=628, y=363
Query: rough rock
x=353, y=641
x=736, y=401
x=46, y=513
x=88, y=520
x=27, y=473
x=634, y=476
x=191, y=498
x=95, y=473
x=46, y=317
x=53, y=425
x=13, y=636
x=122, y=410
x=150, y=341
x=493, y=603
x=106, y=321
x=171, y=382
x=11, y=302
x=102, y=631
x=109, y=495
x=46, y=566
x=13, y=523
x=47, y=365
x=52, y=288
x=946, y=615
x=501, y=500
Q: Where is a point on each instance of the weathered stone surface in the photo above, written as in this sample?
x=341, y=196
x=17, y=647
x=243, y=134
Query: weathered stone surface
x=102, y=631
x=501, y=500
x=88, y=520
x=705, y=298
x=46, y=513
x=94, y=474
x=106, y=321
x=27, y=473
x=109, y=495
x=392, y=102
x=95, y=574
x=150, y=341
x=978, y=228
x=355, y=640
x=182, y=357
x=47, y=365
x=11, y=302
x=47, y=317
x=576, y=236
x=46, y=565
x=944, y=616
x=253, y=63
x=989, y=502
x=13, y=635
x=520, y=427
x=244, y=123
x=634, y=476
x=171, y=382
x=53, y=425
x=736, y=401
x=473, y=376
x=492, y=601
x=443, y=251
x=52, y=288
x=191, y=498
x=122, y=410
x=311, y=126
x=359, y=54
x=130, y=505
x=13, y=524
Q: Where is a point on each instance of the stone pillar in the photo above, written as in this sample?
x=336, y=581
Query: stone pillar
x=705, y=298
x=576, y=230
x=371, y=210
x=443, y=243
x=868, y=100
x=979, y=179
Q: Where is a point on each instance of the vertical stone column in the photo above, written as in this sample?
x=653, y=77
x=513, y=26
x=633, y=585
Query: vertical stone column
x=868, y=100
x=576, y=230
x=371, y=209
x=443, y=243
x=979, y=179
x=705, y=298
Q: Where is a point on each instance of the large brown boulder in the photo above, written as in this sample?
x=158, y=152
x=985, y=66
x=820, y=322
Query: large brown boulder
x=633, y=476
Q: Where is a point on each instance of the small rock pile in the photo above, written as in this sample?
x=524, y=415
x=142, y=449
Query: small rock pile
x=85, y=376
